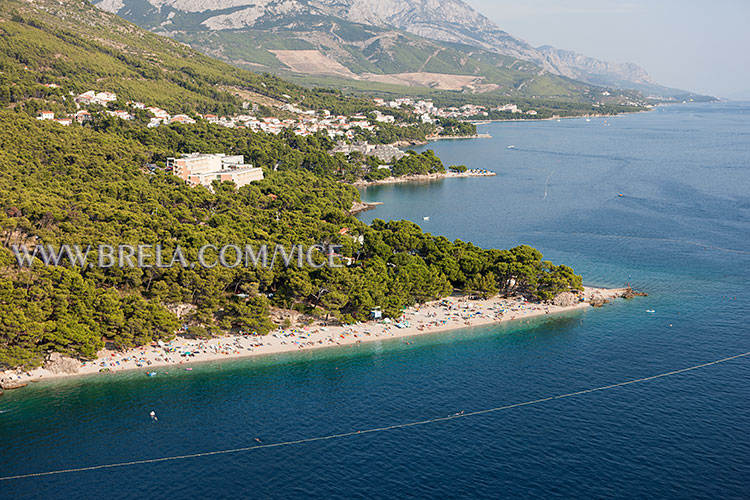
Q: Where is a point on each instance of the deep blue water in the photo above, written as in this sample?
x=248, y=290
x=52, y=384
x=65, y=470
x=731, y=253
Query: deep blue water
x=680, y=232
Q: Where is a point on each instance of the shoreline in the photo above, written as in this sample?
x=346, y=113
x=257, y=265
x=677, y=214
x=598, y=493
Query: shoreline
x=363, y=206
x=444, y=315
x=431, y=138
x=554, y=118
x=423, y=178
x=480, y=135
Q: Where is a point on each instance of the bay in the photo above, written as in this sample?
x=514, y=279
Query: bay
x=680, y=232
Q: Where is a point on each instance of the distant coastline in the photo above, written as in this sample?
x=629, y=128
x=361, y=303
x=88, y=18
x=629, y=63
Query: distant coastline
x=555, y=118
x=432, y=138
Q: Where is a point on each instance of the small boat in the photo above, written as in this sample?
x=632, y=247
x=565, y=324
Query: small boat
x=588, y=119
x=425, y=218
x=620, y=195
x=151, y=374
x=188, y=369
x=512, y=146
x=651, y=311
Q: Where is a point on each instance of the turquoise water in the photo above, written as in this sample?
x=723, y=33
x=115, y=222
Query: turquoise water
x=680, y=231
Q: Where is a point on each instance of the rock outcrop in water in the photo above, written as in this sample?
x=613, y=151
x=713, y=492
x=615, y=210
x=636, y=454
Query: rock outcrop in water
x=11, y=384
x=361, y=206
x=598, y=301
x=629, y=293
x=626, y=293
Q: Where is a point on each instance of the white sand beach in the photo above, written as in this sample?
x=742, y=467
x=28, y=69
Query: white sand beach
x=439, y=316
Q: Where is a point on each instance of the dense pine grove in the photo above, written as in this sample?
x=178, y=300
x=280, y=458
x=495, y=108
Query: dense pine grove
x=77, y=185
x=104, y=183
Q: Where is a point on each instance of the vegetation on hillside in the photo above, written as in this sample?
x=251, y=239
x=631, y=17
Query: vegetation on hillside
x=104, y=184
x=77, y=47
x=361, y=48
x=83, y=186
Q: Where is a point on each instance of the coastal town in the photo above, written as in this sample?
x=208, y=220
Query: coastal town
x=303, y=123
x=306, y=122
x=429, y=112
x=202, y=169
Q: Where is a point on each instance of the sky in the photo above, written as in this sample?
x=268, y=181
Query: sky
x=700, y=46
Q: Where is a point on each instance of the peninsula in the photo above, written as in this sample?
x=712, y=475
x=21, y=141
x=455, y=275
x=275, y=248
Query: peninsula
x=452, y=313
x=92, y=159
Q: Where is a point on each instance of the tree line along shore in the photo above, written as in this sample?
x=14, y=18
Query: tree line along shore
x=451, y=313
x=88, y=185
x=105, y=182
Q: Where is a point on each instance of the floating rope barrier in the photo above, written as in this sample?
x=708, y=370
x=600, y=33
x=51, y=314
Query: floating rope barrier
x=376, y=429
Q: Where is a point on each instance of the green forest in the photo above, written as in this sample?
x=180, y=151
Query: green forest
x=77, y=47
x=80, y=185
x=104, y=183
x=283, y=152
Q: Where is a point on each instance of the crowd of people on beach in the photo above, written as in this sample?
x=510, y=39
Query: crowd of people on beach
x=436, y=316
x=446, y=314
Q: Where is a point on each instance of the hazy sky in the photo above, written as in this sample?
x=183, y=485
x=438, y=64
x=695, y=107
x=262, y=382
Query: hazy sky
x=702, y=46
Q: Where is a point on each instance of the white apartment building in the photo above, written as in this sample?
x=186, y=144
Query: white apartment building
x=202, y=169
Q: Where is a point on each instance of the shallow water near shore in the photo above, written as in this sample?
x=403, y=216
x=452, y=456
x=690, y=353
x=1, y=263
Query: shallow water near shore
x=679, y=231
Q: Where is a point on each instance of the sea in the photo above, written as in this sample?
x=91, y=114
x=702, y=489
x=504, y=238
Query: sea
x=659, y=200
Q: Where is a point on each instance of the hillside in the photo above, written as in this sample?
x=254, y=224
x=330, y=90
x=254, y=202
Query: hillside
x=67, y=44
x=87, y=186
x=328, y=39
x=103, y=182
x=50, y=49
x=363, y=39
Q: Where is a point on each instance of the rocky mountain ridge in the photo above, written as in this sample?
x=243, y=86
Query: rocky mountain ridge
x=450, y=21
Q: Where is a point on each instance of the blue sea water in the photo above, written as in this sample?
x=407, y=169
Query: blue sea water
x=680, y=231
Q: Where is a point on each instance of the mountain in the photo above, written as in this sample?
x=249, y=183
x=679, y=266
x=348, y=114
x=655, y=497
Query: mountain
x=455, y=21
x=52, y=48
x=603, y=73
x=350, y=44
x=445, y=20
x=596, y=71
x=362, y=39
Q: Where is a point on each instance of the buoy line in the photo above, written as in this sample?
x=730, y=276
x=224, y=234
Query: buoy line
x=376, y=429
